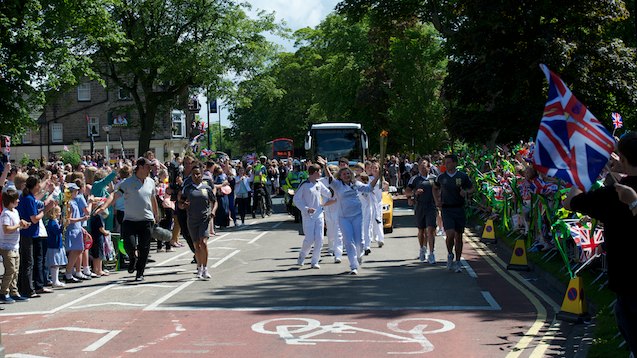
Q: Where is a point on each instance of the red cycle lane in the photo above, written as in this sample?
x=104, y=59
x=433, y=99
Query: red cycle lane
x=264, y=333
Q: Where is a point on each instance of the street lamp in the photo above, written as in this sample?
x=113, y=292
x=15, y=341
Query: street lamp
x=107, y=129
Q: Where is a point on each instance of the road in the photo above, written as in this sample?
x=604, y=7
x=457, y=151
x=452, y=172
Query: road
x=259, y=304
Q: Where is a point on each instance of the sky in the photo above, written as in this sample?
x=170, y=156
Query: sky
x=297, y=14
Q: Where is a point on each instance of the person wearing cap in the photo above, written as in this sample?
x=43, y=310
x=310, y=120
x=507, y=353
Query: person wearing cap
x=259, y=178
x=74, y=235
x=141, y=214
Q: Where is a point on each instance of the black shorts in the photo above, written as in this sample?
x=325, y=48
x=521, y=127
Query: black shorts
x=454, y=218
x=425, y=217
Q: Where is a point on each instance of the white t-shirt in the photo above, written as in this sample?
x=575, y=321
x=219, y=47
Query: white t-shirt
x=9, y=241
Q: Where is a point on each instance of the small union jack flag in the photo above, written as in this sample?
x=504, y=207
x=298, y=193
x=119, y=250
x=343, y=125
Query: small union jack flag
x=617, y=120
x=587, y=244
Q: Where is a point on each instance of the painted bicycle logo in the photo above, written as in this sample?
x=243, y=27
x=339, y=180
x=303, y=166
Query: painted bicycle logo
x=310, y=331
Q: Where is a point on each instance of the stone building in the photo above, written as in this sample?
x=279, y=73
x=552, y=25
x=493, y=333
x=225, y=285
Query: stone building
x=108, y=114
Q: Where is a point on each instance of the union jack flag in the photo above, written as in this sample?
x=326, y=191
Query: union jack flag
x=587, y=244
x=617, y=120
x=571, y=143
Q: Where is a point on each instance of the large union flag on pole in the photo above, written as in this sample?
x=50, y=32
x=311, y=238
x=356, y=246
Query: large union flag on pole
x=571, y=144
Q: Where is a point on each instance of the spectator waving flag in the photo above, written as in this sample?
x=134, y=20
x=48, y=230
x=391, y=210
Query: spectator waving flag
x=617, y=120
x=571, y=143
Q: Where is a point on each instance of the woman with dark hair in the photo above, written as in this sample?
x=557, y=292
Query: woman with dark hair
x=220, y=180
x=30, y=210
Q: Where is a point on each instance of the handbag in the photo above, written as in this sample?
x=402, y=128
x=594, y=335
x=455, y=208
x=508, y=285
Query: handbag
x=160, y=234
x=88, y=239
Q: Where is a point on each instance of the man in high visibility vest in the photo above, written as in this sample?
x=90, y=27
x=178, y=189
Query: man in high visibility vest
x=292, y=181
x=259, y=179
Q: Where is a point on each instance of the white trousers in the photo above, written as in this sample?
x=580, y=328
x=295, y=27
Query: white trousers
x=313, y=230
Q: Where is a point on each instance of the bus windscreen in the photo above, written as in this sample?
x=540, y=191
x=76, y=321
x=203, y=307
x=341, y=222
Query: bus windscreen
x=334, y=144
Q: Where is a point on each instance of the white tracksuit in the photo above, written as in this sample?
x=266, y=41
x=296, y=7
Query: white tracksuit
x=311, y=195
x=334, y=235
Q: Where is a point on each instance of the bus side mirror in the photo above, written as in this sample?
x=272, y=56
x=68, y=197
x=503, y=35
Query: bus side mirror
x=364, y=140
x=308, y=141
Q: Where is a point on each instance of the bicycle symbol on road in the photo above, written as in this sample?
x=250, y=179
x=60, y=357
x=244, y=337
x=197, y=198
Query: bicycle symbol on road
x=306, y=331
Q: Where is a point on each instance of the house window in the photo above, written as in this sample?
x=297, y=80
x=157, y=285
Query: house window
x=56, y=133
x=178, y=124
x=84, y=92
x=93, y=127
x=27, y=137
x=123, y=94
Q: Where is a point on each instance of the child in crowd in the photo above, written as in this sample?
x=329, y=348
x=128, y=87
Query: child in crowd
x=9, y=246
x=99, y=234
x=56, y=254
x=74, y=236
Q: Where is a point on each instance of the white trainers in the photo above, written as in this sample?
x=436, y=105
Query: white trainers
x=360, y=260
x=431, y=259
x=450, y=262
x=205, y=273
x=200, y=272
x=421, y=256
x=458, y=267
x=316, y=266
x=354, y=272
x=337, y=260
x=58, y=284
x=440, y=232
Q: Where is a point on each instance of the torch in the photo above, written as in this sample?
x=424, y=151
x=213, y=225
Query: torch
x=383, y=149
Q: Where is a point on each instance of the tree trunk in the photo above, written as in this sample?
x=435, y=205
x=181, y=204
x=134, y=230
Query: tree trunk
x=146, y=129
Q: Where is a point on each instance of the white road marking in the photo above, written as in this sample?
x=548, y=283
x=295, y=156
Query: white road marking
x=225, y=258
x=92, y=347
x=109, y=304
x=468, y=268
x=127, y=287
x=178, y=329
x=258, y=237
x=162, y=299
x=493, y=306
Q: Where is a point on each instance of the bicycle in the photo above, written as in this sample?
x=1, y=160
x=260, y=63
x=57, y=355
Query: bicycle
x=260, y=198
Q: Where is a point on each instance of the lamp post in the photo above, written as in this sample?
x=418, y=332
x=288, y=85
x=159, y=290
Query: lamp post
x=107, y=129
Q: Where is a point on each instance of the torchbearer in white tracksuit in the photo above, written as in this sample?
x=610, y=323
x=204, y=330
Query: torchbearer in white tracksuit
x=377, y=207
x=334, y=235
x=310, y=198
x=346, y=191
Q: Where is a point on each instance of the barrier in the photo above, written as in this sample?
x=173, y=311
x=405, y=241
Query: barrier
x=518, y=258
x=574, y=304
x=488, y=233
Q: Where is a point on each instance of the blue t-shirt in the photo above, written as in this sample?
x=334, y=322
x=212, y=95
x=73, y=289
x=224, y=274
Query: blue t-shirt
x=81, y=204
x=27, y=207
x=54, y=240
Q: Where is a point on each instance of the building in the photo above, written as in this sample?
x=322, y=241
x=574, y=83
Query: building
x=108, y=114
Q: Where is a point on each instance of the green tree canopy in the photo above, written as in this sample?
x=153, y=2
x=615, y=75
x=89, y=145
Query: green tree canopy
x=40, y=51
x=173, y=48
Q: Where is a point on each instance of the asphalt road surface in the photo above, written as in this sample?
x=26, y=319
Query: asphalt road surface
x=260, y=304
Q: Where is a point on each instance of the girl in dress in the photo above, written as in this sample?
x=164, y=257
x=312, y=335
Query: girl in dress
x=55, y=254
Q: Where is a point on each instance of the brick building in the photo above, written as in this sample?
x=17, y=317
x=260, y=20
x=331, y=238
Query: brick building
x=91, y=108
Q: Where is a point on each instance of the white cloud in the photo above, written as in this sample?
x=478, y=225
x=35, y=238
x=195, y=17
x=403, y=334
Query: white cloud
x=296, y=13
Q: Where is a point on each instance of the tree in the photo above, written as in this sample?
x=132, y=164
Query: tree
x=174, y=48
x=331, y=77
x=494, y=90
x=40, y=52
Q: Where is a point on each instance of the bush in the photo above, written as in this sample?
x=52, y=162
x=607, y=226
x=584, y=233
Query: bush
x=71, y=156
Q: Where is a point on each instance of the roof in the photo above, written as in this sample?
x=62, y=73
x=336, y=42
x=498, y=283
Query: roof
x=336, y=126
